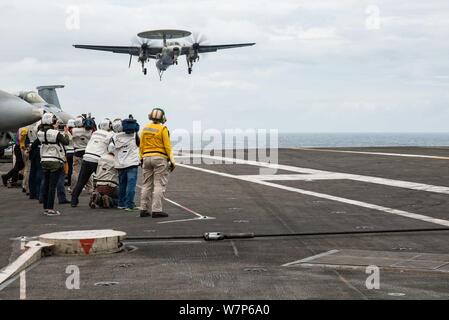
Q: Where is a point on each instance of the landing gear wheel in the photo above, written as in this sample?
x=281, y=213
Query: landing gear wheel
x=145, y=71
x=190, y=70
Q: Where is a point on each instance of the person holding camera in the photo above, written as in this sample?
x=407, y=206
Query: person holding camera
x=95, y=149
x=106, y=181
x=52, y=159
x=60, y=188
x=125, y=146
x=81, y=135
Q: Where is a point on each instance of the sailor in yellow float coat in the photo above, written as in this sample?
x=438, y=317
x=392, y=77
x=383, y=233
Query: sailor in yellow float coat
x=157, y=161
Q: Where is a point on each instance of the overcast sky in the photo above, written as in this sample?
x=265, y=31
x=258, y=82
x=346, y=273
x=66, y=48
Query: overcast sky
x=318, y=66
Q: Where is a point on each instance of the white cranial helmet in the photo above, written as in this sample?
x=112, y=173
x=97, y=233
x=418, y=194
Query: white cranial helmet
x=71, y=123
x=105, y=125
x=79, y=122
x=49, y=118
x=117, y=125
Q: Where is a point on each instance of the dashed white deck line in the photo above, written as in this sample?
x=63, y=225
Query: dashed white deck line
x=324, y=254
x=328, y=197
x=333, y=175
x=406, y=155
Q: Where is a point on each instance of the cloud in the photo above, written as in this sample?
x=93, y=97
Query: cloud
x=315, y=63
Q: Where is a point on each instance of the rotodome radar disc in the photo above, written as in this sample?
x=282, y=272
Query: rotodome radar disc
x=167, y=34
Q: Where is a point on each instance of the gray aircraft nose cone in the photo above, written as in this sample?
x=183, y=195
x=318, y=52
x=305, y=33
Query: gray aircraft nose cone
x=16, y=113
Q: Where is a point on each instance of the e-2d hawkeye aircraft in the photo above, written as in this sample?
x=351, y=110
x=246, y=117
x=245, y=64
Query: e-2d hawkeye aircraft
x=167, y=54
x=25, y=108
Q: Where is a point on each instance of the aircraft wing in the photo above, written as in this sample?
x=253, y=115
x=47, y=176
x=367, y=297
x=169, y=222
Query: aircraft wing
x=214, y=48
x=134, y=51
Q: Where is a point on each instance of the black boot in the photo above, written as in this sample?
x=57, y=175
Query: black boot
x=74, y=202
x=159, y=215
x=4, y=180
x=144, y=214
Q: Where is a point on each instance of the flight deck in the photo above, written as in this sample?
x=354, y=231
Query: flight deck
x=309, y=227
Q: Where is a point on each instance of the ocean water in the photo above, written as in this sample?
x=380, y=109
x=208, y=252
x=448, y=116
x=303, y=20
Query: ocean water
x=297, y=140
x=302, y=140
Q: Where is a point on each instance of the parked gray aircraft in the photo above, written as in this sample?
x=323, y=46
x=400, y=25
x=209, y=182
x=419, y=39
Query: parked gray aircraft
x=26, y=108
x=167, y=54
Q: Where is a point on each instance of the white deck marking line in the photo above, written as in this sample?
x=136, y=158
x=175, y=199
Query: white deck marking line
x=234, y=248
x=23, y=281
x=383, y=181
x=407, y=155
x=294, y=177
x=329, y=197
x=13, y=279
x=198, y=216
x=185, y=220
x=310, y=258
x=185, y=208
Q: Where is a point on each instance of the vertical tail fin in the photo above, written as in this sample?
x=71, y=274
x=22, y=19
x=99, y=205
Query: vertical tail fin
x=48, y=93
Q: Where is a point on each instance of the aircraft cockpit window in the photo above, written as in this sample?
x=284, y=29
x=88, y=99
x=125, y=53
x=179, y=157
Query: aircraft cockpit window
x=33, y=97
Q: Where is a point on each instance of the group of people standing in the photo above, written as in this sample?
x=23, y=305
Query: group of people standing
x=102, y=160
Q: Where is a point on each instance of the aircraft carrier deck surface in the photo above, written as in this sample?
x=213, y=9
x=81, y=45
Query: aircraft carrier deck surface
x=343, y=197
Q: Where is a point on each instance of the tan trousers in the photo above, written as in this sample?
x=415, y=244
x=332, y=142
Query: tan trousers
x=77, y=162
x=26, y=170
x=155, y=179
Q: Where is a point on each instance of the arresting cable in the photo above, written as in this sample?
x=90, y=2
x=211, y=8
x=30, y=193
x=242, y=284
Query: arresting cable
x=217, y=236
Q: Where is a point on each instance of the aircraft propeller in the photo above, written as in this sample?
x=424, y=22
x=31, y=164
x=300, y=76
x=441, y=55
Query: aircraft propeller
x=144, y=45
x=195, y=41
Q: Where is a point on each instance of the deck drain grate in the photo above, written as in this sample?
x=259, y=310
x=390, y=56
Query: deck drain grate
x=255, y=269
x=396, y=294
x=364, y=228
x=402, y=249
x=241, y=221
x=106, y=284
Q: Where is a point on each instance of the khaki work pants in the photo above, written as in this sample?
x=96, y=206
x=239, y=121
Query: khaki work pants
x=26, y=170
x=155, y=178
x=76, y=168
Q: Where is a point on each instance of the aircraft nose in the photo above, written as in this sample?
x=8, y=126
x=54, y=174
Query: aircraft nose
x=16, y=113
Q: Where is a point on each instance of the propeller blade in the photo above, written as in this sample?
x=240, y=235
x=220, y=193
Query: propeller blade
x=196, y=39
x=137, y=41
x=130, y=60
x=201, y=38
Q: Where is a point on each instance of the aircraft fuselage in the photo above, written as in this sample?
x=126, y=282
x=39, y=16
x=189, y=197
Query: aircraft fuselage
x=168, y=56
